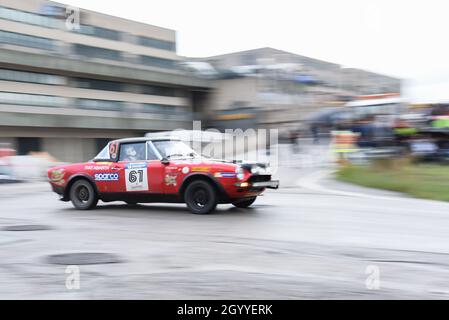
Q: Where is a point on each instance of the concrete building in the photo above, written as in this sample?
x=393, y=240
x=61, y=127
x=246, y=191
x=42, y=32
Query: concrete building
x=362, y=82
x=273, y=88
x=66, y=88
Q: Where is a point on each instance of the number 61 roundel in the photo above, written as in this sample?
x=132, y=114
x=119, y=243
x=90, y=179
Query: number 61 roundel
x=136, y=177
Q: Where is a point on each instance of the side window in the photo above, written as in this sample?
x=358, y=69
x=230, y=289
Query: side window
x=104, y=153
x=132, y=151
x=151, y=155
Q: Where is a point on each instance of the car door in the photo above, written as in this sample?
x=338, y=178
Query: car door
x=155, y=170
x=139, y=169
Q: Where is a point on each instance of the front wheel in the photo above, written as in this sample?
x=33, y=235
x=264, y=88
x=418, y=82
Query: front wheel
x=244, y=203
x=200, y=197
x=83, y=195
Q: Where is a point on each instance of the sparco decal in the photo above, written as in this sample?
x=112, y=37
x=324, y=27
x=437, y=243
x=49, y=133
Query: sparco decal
x=107, y=176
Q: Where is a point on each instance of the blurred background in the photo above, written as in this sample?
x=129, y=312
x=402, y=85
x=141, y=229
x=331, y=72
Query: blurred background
x=66, y=91
x=73, y=79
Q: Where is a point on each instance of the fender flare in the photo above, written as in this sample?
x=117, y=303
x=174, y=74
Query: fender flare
x=72, y=180
x=204, y=176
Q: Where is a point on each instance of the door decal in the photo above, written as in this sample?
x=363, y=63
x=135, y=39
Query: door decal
x=136, y=177
x=170, y=179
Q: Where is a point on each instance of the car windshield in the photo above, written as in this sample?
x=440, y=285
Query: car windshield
x=174, y=149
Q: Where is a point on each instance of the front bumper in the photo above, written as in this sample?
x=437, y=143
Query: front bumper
x=272, y=184
x=57, y=189
x=60, y=191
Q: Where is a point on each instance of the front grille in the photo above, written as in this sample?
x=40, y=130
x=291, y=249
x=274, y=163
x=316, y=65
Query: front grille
x=260, y=178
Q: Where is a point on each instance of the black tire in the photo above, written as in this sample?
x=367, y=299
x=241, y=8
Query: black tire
x=200, y=197
x=83, y=195
x=244, y=203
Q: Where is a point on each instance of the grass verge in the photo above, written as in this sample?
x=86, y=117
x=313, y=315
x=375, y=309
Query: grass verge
x=427, y=181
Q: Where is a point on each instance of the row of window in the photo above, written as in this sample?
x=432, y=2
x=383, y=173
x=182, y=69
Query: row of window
x=156, y=43
x=31, y=99
x=118, y=36
x=32, y=77
x=26, y=40
x=162, y=108
x=29, y=18
x=86, y=83
x=92, y=104
x=157, y=62
x=95, y=52
x=163, y=91
x=19, y=39
x=50, y=22
x=107, y=85
x=96, y=84
x=99, y=32
x=95, y=104
x=102, y=53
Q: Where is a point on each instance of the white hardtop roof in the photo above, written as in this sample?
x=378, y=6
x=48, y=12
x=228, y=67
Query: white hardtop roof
x=143, y=139
x=189, y=135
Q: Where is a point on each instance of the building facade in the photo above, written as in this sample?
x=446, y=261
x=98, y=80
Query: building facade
x=70, y=80
x=277, y=89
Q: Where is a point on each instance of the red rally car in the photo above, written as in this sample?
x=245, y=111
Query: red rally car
x=143, y=170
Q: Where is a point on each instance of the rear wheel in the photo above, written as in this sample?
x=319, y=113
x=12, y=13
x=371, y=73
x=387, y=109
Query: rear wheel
x=200, y=197
x=244, y=203
x=83, y=195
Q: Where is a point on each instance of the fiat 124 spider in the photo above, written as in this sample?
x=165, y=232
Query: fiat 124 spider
x=144, y=170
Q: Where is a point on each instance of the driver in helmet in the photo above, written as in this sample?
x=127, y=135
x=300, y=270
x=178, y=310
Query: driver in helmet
x=132, y=154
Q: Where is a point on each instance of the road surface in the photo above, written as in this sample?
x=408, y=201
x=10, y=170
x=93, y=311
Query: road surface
x=294, y=243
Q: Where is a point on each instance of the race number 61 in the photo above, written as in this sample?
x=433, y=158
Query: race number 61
x=135, y=176
x=136, y=179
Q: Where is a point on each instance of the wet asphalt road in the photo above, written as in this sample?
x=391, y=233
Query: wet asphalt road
x=293, y=243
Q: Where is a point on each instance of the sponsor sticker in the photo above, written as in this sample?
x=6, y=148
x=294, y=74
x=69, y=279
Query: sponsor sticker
x=113, y=149
x=106, y=176
x=185, y=170
x=170, y=180
x=225, y=175
x=136, y=178
x=96, y=167
x=137, y=165
x=57, y=177
x=200, y=169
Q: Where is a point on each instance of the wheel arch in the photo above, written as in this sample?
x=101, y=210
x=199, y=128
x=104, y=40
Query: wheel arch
x=75, y=178
x=204, y=177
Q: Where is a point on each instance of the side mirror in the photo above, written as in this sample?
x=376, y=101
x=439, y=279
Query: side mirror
x=165, y=161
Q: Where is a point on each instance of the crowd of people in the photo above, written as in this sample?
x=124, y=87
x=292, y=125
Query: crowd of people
x=419, y=132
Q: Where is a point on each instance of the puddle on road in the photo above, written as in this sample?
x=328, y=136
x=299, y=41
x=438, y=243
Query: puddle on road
x=27, y=227
x=83, y=258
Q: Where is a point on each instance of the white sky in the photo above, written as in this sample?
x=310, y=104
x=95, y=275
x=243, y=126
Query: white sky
x=407, y=39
